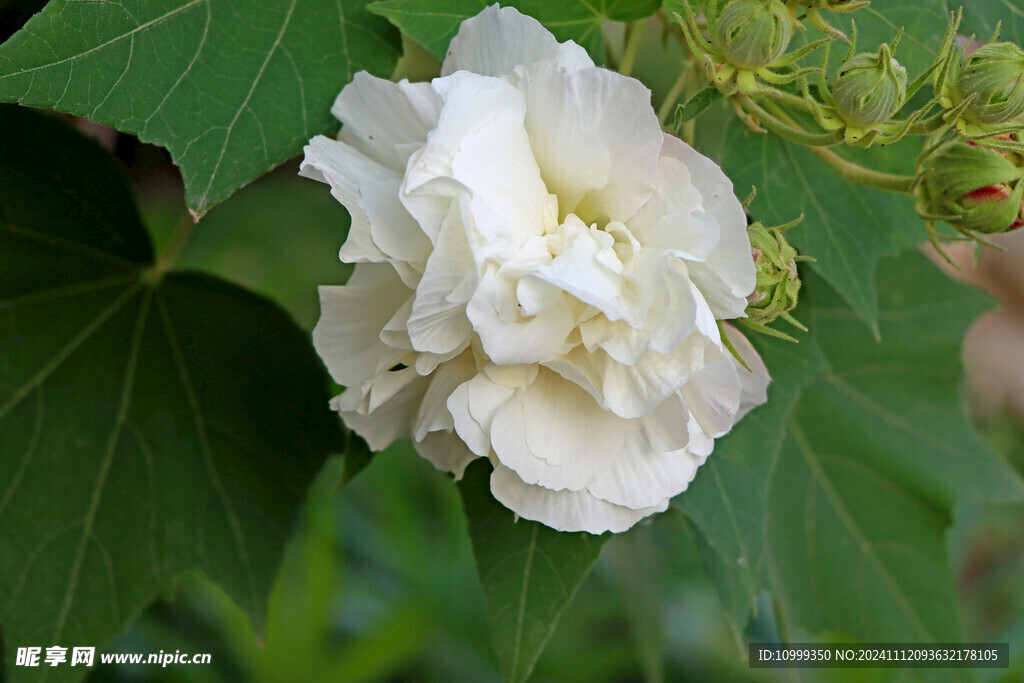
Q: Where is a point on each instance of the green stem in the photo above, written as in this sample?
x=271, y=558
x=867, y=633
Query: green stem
x=862, y=175
x=172, y=250
x=634, y=32
x=788, y=131
x=668, y=106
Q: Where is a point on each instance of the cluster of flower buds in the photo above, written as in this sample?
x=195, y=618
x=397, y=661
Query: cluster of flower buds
x=975, y=187
x=778, y=282
x=746, y=53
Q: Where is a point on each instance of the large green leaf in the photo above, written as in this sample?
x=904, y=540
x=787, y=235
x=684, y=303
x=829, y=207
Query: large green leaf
x=232, y=88
x=433, y=23
x=727, y=499
x=846, y=227
x=877, y=452
x=151, y=422
x=529, y=572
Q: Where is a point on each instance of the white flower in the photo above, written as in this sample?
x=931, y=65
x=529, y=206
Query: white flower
x=540, y=271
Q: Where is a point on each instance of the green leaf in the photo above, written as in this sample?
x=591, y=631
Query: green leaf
x=433, y=23
x=151, y=424
x=982, y=16
x=878, y=450
x=727, y=498
x=700, y=101
x=231, y=88
x=846, y=227
x=529, y=572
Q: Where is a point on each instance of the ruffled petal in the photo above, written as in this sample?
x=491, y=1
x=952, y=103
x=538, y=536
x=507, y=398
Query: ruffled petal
x=588, y=269
x=446, y=452
x=509, y=338
x=565, y=510
x=473, y=405
x=753, y=383
x=438, y=321
x=553, y=434
x=433, y=414
x=347, y=336
x=386, y=121
x=727, y=275
x=671, y=316
x=632, y=391
x=381, y=229
x=388, y=422
x=498, y=39
x=595, y=137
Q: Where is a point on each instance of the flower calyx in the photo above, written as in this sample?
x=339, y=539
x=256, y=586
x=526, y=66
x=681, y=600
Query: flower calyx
x=983, y=92
x=778, y=281
x=975, y=187
x=866, y=93
x=746, y=53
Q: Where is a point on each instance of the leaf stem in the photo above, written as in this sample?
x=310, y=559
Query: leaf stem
x=862, y=175
x=787, y=130
x=171, y=251
x=634, y=32
x=668, y=105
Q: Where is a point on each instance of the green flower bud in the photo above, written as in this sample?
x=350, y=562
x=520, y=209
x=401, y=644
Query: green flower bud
x=972, y=187
x=869, y=88
x=995, y=74
x=778, y=282
x=753, y=33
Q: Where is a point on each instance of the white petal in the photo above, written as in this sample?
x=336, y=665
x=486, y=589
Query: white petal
x=553, y=434
x=514, y=339
x=580, y=270
x=633, y=391
x=347, y=335
x=473, y=405
x=438, y=321
x=480, y=145
x=671, y=316
x=666, y=428
x=726, y=277
x=753, y=383
x=673, y=219
x=446, y=452
x=596, y=139
x=713, y=395
x=386, y=121
x=496, y=40
x=573, y=159
x=724, y=391
x=391, y=421
x=370, y=193
x=565, y=510
x=638, y=480
x=433, y=413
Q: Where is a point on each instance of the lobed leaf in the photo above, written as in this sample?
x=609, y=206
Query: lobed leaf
x=837, y=494
x=231, y=88
x=150, y=424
